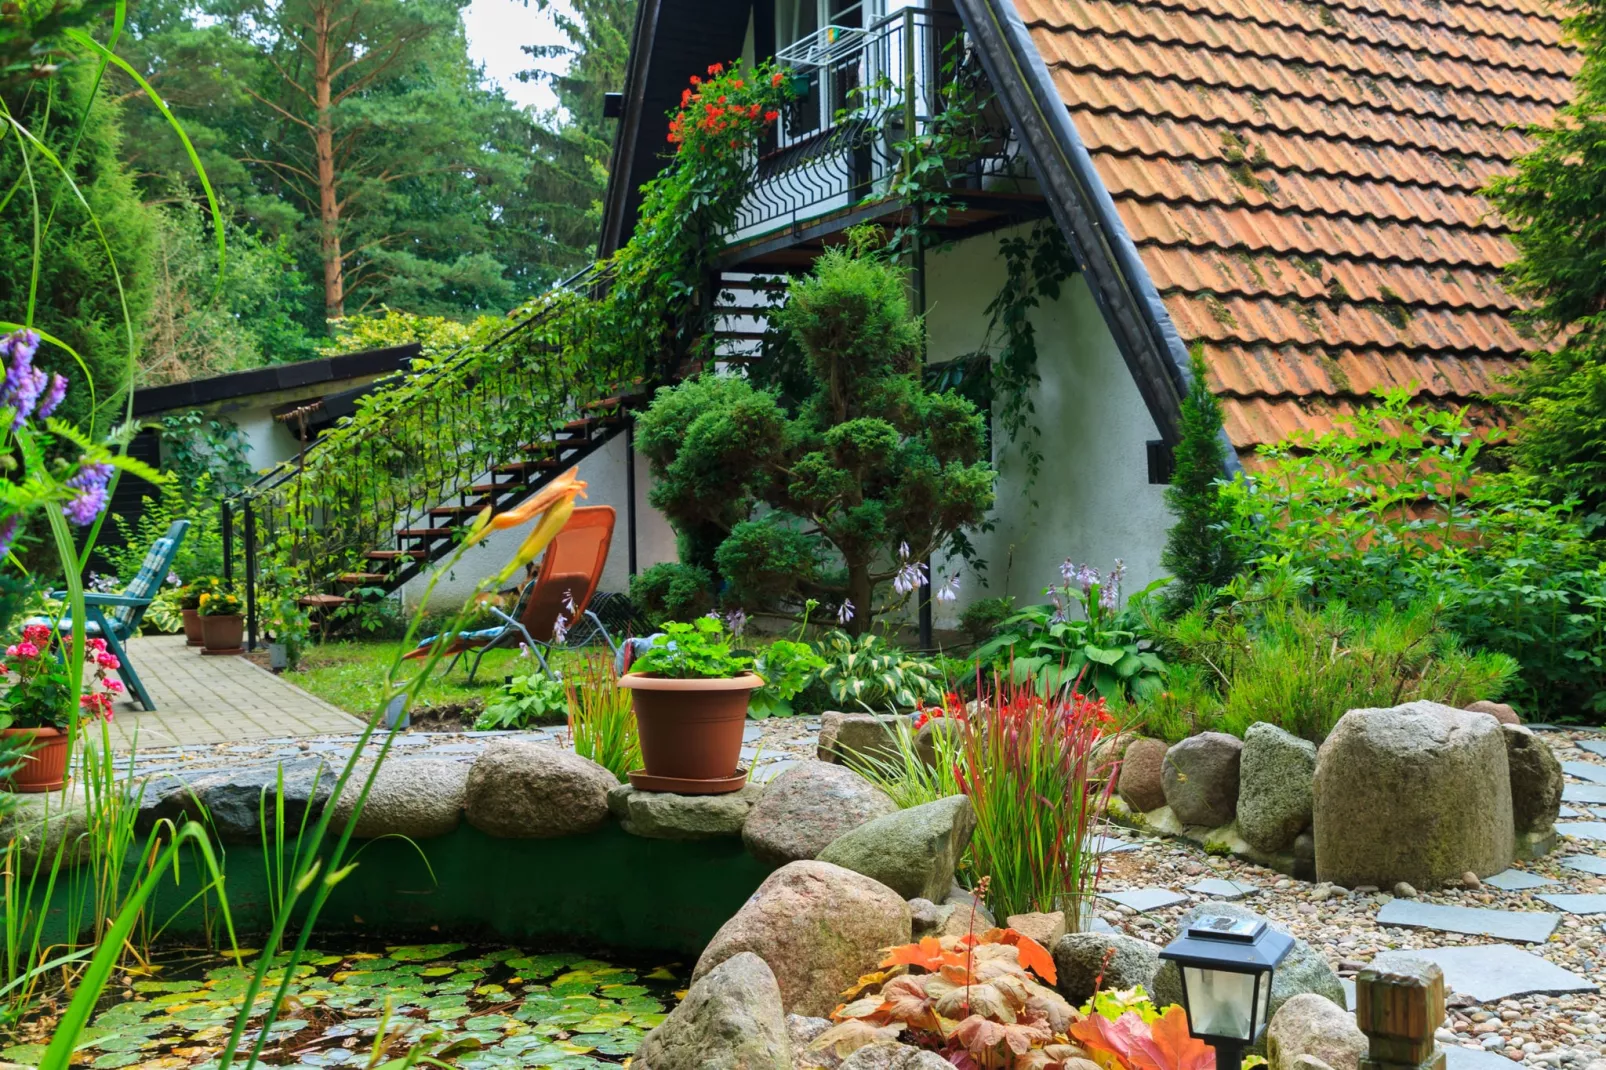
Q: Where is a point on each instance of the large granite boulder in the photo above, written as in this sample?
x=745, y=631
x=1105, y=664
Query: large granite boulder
x=894, y=1056
x=846, y=738
x=536, y=791
x=1123, y=961
x=1536, y=781
x=663, y=815
x=234, y=801
x=1142, y=779
x=414, y=797
x=1498, y=710
x=1275, y=783
x=914, y=852
x=1200, y=775
x=731, y=1019
x=1314, y=1025
x=807, y=807
x=1304, y=970
x=1419, y=793
x=818, y=926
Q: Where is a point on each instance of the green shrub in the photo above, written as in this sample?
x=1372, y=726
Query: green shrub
x=534, y=698
x=1270, y=656
x=1200, y=551
x=868, y=672
x=981, y=618
x=1394, y=508
x=672, y=591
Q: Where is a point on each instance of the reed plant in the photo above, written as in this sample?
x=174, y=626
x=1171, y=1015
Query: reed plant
x=1039, y=786
x=602, y=722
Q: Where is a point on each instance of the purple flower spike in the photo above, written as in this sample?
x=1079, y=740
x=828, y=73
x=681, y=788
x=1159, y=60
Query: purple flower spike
x=54, y=396
x=8, y=533
x=90, y=482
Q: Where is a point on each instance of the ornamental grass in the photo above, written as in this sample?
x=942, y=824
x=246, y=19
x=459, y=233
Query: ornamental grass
x=602, y=722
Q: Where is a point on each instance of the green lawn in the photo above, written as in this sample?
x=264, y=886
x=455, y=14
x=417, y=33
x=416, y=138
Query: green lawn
x=349, y=673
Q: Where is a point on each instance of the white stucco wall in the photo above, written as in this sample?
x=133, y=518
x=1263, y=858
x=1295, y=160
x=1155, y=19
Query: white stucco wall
x=1093, y=500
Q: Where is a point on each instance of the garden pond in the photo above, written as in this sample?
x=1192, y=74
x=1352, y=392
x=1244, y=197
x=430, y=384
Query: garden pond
x=474, y=1007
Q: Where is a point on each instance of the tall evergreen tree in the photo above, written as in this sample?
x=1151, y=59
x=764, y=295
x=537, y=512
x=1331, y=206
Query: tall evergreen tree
x=1556, y=198
x=1199, y=552
x=90, y=296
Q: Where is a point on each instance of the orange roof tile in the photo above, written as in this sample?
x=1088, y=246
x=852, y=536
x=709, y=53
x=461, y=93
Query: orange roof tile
x=1302, y=179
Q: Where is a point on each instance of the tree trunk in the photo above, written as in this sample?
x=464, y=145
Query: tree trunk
x=861, y=592
x=334, y=281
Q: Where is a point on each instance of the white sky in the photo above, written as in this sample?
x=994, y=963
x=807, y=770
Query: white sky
x=497, y=29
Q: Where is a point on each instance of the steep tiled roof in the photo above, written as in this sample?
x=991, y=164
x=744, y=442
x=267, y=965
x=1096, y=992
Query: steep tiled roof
x=1301, y=181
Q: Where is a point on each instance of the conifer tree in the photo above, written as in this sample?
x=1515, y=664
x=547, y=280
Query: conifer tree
x=1199, y=551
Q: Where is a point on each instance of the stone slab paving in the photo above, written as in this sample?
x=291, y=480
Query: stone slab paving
x=1567, y=811
x=1583, y=793
x=1595, y=774
x=1145, y=899
x=1593, y=746
x=1586, y=864
x=1516, y=880
x=1104, y=845
x=1220, y=889
x=1495, y=971
x=1528, y=927
x=1583, y=830
x=1577, y=903
x=1458, y=1058
x=201, y=700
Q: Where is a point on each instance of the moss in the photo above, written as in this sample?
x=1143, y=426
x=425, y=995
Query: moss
x=1309, y=265
x=1252, y=267
x=1336, y=373
x=1218, y=849
x=1220, y=312
x=1393, y=309
x=1336, y=289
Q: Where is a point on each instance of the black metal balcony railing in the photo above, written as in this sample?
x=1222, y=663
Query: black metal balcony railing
x=868, y=92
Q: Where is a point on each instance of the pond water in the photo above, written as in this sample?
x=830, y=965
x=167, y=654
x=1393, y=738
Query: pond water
x=475, y=1007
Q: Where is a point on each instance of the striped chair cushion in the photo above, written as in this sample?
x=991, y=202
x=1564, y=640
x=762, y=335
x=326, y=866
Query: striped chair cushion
x=146, y=582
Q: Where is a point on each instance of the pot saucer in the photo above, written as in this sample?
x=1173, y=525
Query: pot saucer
x=683, y=786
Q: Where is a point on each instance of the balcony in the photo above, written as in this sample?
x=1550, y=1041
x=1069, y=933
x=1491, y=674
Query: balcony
x=838, y=155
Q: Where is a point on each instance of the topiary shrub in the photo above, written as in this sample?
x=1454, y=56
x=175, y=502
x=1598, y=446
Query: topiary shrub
x=672, y=591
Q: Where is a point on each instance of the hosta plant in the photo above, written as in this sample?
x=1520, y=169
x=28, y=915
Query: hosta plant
x=870, y=673
x=984, y=1001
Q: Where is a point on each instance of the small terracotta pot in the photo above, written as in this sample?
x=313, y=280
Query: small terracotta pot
x=192, y=627
x=223, y=632
x=45, y=766
x=691, y=729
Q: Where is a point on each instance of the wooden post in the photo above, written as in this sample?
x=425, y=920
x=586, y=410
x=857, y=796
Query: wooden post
x=1399, y=1008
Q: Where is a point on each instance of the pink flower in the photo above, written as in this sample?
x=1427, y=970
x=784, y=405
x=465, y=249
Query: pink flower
x=95, y=646
x=108, y=661
x=37, y=633
x=114, y=686
x=23, y=649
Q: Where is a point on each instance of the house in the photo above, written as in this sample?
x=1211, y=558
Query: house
x=1294, y=187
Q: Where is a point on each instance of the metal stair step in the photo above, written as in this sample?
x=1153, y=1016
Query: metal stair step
x=360, y=578
x=427, y=533
x=496, y=488
x=396, y=555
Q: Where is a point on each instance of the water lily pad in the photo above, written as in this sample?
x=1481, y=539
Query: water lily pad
x=424, y=952
x=438, y=971
x=166, y=986
x=116, y=1059
x=539, y=965
x=27, y=1054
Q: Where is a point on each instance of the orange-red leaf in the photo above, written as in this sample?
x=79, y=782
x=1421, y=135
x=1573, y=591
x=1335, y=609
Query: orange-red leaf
x=1174, y=1048
x=927, y=954
x=1035, y=957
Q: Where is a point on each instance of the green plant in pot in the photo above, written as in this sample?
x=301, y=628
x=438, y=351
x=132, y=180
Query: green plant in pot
x=222, y=626
x=690, y=691
x=189, y=604
x=289, y=629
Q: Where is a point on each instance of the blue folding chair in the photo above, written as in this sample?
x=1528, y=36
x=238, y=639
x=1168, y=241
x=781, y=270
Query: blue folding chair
x=126, y=609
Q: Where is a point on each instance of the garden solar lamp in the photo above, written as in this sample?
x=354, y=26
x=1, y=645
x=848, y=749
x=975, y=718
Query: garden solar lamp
x=1226, y=965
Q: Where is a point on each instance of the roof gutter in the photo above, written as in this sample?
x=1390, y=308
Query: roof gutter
x=1082, y=207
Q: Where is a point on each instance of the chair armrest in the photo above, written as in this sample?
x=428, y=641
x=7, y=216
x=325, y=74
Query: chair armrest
x=98, y=598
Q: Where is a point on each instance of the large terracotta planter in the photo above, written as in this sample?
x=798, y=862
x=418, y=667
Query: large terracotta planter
x=691, y=731
x=192, y=627
x=223, y=633
x=44, y=767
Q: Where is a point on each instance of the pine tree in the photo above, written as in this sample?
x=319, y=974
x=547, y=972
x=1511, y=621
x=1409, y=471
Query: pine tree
x=1199, y=551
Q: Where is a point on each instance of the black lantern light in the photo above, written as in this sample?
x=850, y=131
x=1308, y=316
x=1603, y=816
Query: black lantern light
x=1226, y=965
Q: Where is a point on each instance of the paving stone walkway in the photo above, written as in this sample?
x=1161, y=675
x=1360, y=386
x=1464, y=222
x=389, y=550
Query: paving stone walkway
x=206, y=700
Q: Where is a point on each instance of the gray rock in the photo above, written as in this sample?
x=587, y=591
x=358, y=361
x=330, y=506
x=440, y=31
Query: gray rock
x=850, y=738
x=1536, y=780
x=800, y=1033
x=1201, y=779
x=807, y=807
x=926, y=917
x=662, y=815
x=41, y=821
x=1047, y=928
x=1079, y=959
x=731, y=1019
x=1419, y=793
x=965, y=913
x=895, y=1056
x=951, y=731
x=536, y=791
x=1304, y=970
x=913, y=852
x=1312, y=1025
x=414, y=797
x=1274, y=792
x=818, y=926
x=1142, y=779
x=1498, y=710
x=234, y=801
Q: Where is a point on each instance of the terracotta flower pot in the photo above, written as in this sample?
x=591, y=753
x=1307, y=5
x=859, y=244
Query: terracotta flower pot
x=44, y=768
x=222, y=633
x=192, y=627
x=691, y=730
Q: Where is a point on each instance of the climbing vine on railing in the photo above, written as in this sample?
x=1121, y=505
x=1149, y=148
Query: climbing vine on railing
x=629, y=319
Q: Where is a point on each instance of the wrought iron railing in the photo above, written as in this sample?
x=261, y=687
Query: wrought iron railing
x=484, y=425
x=862, y=94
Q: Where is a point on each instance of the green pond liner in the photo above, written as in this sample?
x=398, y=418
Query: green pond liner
x=604, y=889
